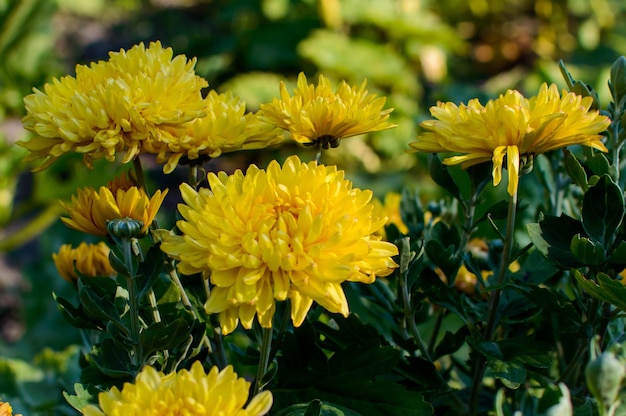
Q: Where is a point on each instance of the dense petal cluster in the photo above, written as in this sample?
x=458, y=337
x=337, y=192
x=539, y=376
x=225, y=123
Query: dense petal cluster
x=115, y=106
x=226, y=127
x=511, y=127
x=90, y=209
x=317, y=115
x=6, y=409
x=187, y=392
x=295, y=231
x=86, y=259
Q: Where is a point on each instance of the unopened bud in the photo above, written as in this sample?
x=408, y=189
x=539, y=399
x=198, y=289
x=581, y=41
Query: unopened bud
x=604, y=376
x=125, y=228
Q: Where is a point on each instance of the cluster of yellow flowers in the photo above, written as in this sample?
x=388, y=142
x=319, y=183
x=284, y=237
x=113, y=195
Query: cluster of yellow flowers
x=292, y=231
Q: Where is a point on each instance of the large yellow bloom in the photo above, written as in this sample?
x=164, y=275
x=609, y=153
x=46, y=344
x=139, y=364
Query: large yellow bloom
x=6, y=410
x=316, y=115
x=113, y=106
x=90, y=210
x=513, y=127
x=187, y=392
x=88, y=259
x=296, y=231
x=226, y=127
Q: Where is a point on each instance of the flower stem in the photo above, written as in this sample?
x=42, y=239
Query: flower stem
x=264, y=360
x=494, y=301
x=133, y=304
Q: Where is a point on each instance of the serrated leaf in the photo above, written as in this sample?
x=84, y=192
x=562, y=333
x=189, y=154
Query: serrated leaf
x=113, y=360
x=95, y=296
x=606, y=289
x=586, y=251
x=82, y=397
x=552, y=237
x=164, y=336
x=76, y=316
x=511, y=373
x=603, y=210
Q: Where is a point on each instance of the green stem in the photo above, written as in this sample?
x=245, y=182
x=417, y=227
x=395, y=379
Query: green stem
x=494, y=301
x=264, y=360
x=133, y=304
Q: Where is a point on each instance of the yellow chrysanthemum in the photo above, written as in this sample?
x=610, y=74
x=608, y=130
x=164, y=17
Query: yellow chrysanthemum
x=113, y=106
x=226, y=127
x=316, y=115
x=390, y=208
x=88, y=259
x=513, y=127
x=296, y=231
x=90, y=210
x=6, y=410
x=187, y=392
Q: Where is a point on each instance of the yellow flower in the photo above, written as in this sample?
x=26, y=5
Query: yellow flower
x=88, y=259
x=113, y=106
x=226, y=127
x=187, y=392
x=390, y=207
x=316, y=115
x=296, y=231
x=6, y=410
x=513, y=127
x=90, y=210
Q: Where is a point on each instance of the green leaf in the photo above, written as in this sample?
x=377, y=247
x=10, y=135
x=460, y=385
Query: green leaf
x=76, y=316
x=598, y=163
x=451, y=342
x=511, y=373
x=164, y=336
x=606, y=289
x=82, y=397
x=575, y=170
x=603, y=210
x=439, y=173
x=113, y=360
x=586, y=251
x=95, y=296
x=618, y=256
x=617, y=82
x=355, y=376
x=149, y=269
x=553, y=235
x=316, y=407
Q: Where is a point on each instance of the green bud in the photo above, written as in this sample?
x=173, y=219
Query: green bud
x=617, y=82
x=125, y=228
x=604, y=376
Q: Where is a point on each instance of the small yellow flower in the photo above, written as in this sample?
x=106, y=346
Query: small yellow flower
x=6, y=409
x=226, y=127
x=316, y=115
x=511, y=127
x=390, y=208
x=296, y=231
x=187, y=392
x=88, y=259
x=113, y=106
x=90, y=210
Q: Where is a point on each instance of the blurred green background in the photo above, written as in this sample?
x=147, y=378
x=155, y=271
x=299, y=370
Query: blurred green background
x=414, y=52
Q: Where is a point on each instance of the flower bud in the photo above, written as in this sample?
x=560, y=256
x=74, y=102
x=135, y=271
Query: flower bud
x=125, y=228
x=604, y=376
